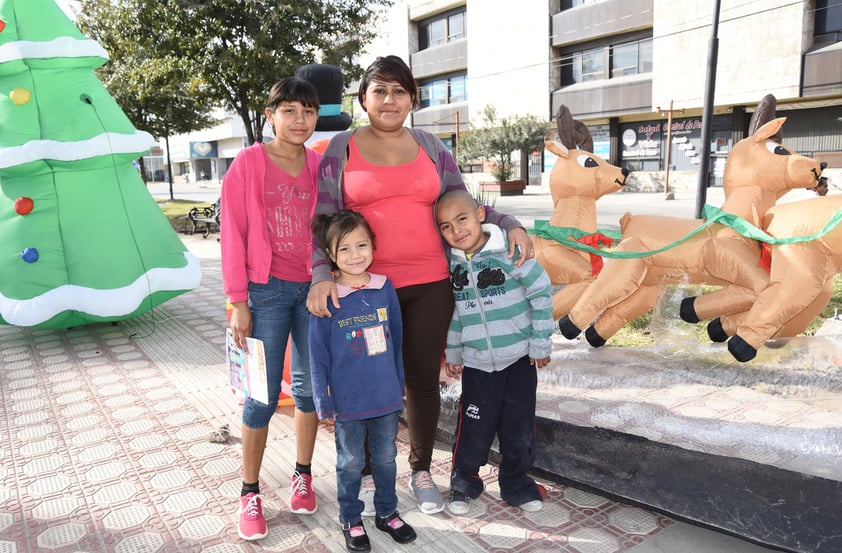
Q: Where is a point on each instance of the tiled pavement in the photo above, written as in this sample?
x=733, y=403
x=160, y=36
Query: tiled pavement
x=103, y=447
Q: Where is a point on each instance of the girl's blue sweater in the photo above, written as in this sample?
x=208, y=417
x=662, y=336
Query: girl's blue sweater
x=356, y=364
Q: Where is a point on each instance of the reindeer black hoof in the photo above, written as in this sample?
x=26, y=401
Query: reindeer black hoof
x=593, y=337
x=741, y=350
x=687, y=311
x=715, y=331
x=568, y=329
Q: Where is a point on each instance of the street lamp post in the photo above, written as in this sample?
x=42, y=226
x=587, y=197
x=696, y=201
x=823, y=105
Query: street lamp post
x=169, y=163
x=707, y=116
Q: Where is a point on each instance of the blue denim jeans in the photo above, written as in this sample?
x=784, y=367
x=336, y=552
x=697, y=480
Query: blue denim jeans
x=350, y=459
x=279, y=310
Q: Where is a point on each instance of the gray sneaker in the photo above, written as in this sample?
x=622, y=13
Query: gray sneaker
x=429, y=497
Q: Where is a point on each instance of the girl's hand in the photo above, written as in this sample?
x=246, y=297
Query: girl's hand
x=317, y=298
x=519, y=239
x=453, y=370
x=540, y=363
x=328, y=424
x=241, y=323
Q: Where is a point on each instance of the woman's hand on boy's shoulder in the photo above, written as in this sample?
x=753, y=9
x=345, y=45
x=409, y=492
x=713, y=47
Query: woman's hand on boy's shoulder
x=519, y=239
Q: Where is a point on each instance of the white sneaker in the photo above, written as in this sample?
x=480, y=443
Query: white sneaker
x=532, y=506
x=457, y=503
x=367, y=496
x=426, y=492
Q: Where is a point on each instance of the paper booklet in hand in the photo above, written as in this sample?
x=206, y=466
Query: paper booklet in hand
x=247, y=371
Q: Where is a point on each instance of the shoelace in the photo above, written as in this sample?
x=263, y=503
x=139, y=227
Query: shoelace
x=299, y=484
x=424, y=481
x=252, y=508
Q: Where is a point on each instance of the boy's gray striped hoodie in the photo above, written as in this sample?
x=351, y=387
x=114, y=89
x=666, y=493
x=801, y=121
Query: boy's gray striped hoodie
x=503, y=312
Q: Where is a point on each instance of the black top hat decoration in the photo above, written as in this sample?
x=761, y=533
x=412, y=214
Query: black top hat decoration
x=330, y=83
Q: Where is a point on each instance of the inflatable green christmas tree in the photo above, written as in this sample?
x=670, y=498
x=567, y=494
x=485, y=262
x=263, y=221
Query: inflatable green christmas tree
x=81, y=239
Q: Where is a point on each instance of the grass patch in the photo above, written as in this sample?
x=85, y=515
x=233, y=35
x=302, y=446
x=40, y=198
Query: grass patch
x=176, y=211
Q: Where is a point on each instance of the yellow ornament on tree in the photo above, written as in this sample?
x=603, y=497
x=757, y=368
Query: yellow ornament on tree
x=20, y=96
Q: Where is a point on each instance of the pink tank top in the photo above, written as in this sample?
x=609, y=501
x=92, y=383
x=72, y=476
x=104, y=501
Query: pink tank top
x=397, y=201
x=288, y=201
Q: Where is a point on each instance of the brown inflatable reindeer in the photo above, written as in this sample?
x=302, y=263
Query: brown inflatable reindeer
x=578, y=179
x=801, y=277
x=758, y=171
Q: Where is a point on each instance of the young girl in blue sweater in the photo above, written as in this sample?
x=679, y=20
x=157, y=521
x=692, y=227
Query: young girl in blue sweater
x=357, y=375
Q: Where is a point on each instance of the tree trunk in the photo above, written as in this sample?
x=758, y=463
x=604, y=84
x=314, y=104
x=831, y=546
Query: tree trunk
x=142, y=166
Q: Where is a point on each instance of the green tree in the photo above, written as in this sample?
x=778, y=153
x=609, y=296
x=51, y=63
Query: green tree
x=157, y=90
x=496, y=140
x=234, y=50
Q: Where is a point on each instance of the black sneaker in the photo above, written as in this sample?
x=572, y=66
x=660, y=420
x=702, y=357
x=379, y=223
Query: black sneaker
x=355, y=537
x=394, y=525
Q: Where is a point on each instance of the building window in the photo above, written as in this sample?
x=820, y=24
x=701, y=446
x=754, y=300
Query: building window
x=630, y=58
x=442, y=90
x=442, y=28
x=828, y=17
x=592, y=65
x=456, y=26
x=580, y=67
x=567, y=4
x=457, y=89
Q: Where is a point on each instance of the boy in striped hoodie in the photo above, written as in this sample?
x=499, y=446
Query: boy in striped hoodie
x=498, y=337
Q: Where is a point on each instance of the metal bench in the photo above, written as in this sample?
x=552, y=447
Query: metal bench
x=204, y=219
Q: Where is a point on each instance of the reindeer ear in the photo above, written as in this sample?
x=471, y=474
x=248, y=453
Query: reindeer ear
x=763, y=113
x=557, y=148
x=564, y=122
x=769, y=130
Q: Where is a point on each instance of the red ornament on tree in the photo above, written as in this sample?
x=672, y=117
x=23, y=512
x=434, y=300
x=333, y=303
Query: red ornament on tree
x=24, y=205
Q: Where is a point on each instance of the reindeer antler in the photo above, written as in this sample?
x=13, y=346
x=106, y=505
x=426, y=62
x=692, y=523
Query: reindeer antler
x=572, y=132
x=764, y=113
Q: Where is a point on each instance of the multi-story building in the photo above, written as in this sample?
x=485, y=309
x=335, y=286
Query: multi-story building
x=625, y=63
x=625, y=67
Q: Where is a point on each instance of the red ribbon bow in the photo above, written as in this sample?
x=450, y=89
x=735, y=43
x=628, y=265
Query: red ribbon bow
x=596, y=240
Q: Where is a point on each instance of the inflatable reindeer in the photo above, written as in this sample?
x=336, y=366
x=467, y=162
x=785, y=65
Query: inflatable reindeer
x=758, y=171
x=801, y=276
x=578, y=179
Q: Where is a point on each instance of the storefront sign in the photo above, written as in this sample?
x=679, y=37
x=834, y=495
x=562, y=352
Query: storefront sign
x=203, y=149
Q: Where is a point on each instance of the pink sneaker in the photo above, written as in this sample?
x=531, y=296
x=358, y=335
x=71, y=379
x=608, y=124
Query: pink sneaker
x=252, y=525
x=302, y=500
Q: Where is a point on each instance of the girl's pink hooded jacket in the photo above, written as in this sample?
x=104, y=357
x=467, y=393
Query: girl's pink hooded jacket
x=244, y=234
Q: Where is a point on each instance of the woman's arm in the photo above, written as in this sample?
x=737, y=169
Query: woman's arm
x=451, y=179
x=329, y=200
